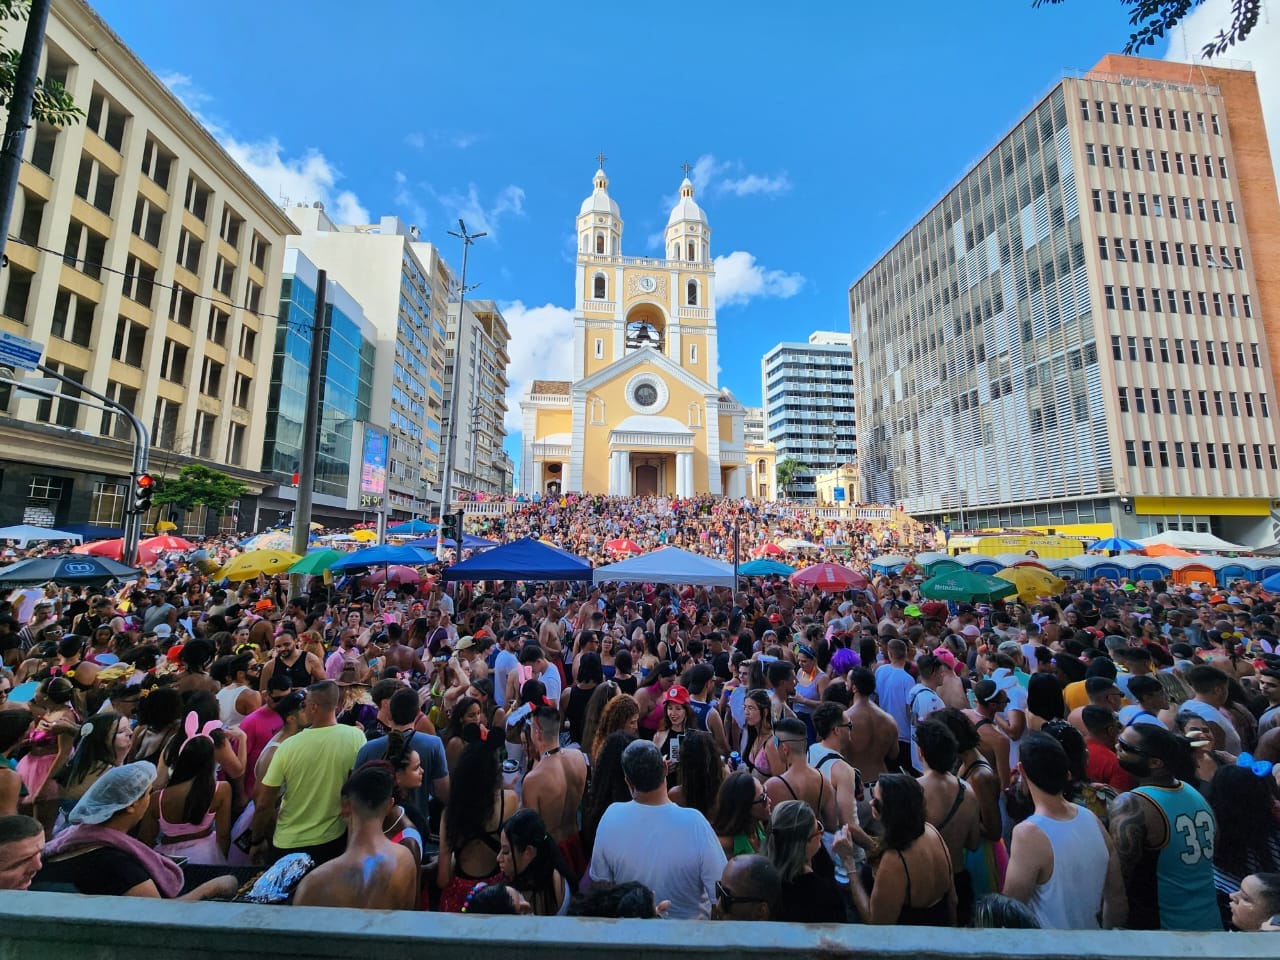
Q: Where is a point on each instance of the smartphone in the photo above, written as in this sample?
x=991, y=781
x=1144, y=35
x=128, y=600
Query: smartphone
x=674, y=752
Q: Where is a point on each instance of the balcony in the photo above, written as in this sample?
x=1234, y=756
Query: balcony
x=599, y=306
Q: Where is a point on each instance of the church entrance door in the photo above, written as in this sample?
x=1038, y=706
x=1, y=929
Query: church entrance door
x=646, y=480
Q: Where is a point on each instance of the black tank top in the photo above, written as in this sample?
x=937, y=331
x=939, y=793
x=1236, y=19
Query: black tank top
x=298, y=672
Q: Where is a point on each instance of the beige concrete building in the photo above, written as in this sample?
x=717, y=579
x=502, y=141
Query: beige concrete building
x=148, y=266
x=843, y=478
x=478, y=345
x=1081, y=335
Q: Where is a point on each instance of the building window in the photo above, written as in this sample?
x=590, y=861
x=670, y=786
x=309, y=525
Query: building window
x=73, y=318
x=599, y=345
x=691, y=293
x=599, y=243
x=106, y=503
x=235, y=445
x=693, y=353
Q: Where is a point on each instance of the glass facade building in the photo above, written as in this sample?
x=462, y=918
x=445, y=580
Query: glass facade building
x=350, y=350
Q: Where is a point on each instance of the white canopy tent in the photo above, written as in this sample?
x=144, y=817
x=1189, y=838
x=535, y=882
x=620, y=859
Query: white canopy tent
x=25, y=533
x=1190, y=540
x=668, y=565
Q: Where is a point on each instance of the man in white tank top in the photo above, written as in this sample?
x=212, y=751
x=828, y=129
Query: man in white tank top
x=1062, y=864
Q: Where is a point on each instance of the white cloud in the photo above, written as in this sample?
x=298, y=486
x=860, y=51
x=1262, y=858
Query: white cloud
x=416, y=140
x=740, y=279
x=754, y=183
x=541, y=348
x=306, y=177
x=457, y=139
x=479, y=215
x=1189, y=37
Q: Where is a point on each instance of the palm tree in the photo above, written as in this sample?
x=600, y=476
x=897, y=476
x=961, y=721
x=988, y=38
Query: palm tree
x=786, y=472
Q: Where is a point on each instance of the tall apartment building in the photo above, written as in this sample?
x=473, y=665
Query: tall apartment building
x=753, y=425
x=147, y=264
x=1081, y=335
x=478, y=346
x=349, y=344
x=403, y=287
x=808, y=406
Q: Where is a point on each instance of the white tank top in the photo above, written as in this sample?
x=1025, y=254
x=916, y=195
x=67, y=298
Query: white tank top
x=227, y=704
x=1072, y=897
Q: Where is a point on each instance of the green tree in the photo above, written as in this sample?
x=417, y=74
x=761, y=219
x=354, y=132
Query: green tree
x=196, y=484
x=1153, y=18
x=786, y=472
x=53, y=105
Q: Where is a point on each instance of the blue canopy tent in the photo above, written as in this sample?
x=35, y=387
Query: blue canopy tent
x=411, y=528
x=89, y=531
x=383, y=555
x=524, y=559
x=469, y=542
x=668, y=565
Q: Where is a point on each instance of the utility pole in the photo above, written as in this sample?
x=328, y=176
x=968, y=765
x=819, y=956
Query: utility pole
x=311, y=426
x=20, y=106
x=446, y=467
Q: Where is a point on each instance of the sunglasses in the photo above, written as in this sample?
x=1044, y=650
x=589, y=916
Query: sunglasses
x=763, y=799
x=728, y=899
x=1130, y=748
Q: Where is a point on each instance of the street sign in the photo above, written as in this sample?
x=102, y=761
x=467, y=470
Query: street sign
x=839, y=494
x=19, y=352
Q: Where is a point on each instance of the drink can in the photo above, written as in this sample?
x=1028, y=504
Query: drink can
x=735, y=761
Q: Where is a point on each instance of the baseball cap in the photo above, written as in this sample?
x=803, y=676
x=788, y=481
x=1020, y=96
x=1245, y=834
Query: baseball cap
x=911, y=611
x=984, y=691
x=970, y=630
x=677, y=694
x=1009, y=648
x=163, y=630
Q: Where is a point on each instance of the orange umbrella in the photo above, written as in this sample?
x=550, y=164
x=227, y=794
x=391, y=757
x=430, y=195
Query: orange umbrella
x=1165, y=550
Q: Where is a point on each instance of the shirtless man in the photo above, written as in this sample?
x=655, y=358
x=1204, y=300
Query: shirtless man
x=551, y=637
x=403, y=658
x=555, y=785
x=373, y=873
x=873, y=741
x=950, y=805
x=990, y=698
x=799, y=781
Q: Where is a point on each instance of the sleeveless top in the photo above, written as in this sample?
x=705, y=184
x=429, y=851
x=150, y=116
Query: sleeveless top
x=1071, y=898
x=935, y=914
x=173, y=832
x=298, y=671
x=1172, y=887
x=490, y=838
x=700, y=711
x=807, y=690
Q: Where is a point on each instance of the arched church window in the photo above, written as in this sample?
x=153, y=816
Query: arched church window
x=599, y=243
x=691, y=252
x=692, y=296
x=600, y=290
x=695, y=415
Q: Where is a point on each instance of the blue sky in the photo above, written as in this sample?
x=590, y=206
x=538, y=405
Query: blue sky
x=820, y=131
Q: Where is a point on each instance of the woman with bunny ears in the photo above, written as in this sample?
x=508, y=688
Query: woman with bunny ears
x=191, y=816
x=471, y=828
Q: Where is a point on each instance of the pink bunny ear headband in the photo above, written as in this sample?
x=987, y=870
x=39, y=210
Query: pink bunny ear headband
x=195, y=731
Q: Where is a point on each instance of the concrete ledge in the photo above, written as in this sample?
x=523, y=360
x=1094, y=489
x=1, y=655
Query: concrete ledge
x=55, y=926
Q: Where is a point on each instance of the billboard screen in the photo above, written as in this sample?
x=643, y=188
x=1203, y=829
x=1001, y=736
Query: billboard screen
x=373, y=466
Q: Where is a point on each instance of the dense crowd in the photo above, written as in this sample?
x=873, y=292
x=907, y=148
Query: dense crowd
x=1102, y=758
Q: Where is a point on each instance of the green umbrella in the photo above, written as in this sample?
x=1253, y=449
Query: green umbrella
x=967, y=586
x=317, y=562
x=942, y=566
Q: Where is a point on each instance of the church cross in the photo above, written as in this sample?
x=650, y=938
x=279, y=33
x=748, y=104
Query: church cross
x=686, y=168
x=601, y=158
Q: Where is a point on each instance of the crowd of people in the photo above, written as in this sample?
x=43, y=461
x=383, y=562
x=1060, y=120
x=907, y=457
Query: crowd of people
x=1105, y=758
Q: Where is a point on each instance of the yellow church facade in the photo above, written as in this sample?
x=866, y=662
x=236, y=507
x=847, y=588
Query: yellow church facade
x=643, y=414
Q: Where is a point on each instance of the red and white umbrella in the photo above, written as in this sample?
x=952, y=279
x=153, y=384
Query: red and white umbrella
x=167, y=542
x=769, y=550
x=830, y=578
x=623, y=546
x=111, y=549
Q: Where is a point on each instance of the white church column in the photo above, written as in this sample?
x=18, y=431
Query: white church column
x=535, y=477
x=684, y=474
x=738, y=482
x=624, y=472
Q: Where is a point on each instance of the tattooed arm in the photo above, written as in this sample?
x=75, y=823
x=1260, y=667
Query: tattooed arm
x=1129, y=831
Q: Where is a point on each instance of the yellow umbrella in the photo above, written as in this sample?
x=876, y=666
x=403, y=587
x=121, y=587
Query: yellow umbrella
x=1032, y=582
x=164, y=526
x=364, y=536
x=317, y=526
x=255, y=563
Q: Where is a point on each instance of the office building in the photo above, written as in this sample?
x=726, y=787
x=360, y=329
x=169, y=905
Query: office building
x=644, y=414
x=808, y=406
x=403, y=287
x=146, y=264
x=753, y=425
x=478, y=346
x=349, y=344
x=1080, y=335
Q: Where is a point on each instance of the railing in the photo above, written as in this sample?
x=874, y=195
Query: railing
x=486, y=508
x=552, y=399
x=60, y=926
x=695, y=313
x=649, y=440
x=551, y=450
x=732, y=456
x=600, y=306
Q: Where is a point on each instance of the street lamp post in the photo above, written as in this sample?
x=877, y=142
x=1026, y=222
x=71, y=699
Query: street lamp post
x=446, y=466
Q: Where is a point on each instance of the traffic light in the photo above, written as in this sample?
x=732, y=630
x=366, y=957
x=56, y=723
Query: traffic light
x=144, y=488
x=449, y=526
